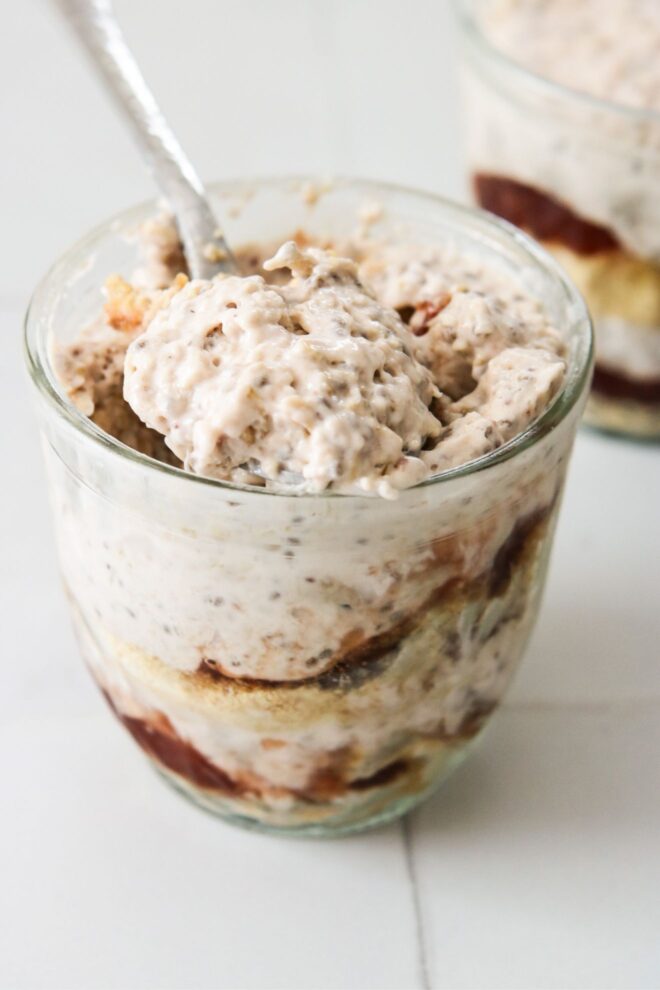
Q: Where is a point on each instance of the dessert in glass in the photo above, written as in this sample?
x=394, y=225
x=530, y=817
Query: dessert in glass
x=562, y=128
x=304, y=514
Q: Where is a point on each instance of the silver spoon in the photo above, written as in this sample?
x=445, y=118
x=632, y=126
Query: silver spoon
x=206, y=250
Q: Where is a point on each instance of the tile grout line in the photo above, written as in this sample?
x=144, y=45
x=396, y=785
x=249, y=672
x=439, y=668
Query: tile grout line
x=422, y=959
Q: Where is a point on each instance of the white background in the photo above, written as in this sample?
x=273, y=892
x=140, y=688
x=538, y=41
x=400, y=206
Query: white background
x=538, y=864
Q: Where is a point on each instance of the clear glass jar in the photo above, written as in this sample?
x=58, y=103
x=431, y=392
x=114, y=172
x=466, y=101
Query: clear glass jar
x=583, y=177
x=374, y=638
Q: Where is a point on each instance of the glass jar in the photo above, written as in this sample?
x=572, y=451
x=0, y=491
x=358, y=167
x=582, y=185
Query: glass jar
x=310, y=664
x=582, y=176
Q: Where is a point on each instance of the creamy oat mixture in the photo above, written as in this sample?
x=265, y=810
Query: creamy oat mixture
x=606, y=48
x=363, y=374
x=312, y=380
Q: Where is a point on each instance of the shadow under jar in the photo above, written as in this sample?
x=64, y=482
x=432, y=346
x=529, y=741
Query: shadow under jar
x=374, y=638
x=582, y=176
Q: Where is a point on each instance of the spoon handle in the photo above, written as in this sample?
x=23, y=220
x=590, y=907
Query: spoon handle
x=205, y=248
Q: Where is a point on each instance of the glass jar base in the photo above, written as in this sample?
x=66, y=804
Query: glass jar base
x=350, y=821
x=625, y=418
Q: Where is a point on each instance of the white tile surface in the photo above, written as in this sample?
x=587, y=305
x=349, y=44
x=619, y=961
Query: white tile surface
x=537, y=865
x=598, y=638
x=117, y=882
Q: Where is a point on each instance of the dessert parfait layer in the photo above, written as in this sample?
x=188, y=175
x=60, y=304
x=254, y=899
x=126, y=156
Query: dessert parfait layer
x=563, y=140
x=304, y=513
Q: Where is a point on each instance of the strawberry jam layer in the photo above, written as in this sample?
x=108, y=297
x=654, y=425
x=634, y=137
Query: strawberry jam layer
x=543, y=216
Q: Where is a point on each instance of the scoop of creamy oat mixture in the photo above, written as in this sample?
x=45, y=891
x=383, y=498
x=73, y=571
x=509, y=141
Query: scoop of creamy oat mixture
x=313, y=380
x=364, y=375
x=607, y=49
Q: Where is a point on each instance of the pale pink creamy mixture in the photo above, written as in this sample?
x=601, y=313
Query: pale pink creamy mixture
x=607, y=48
x=318, y=382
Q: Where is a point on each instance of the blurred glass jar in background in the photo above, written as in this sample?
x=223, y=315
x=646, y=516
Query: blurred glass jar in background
x=582, y=176
x=304, y=663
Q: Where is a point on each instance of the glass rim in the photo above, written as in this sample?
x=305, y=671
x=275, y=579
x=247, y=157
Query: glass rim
x=464, y=12
x=573, y=386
